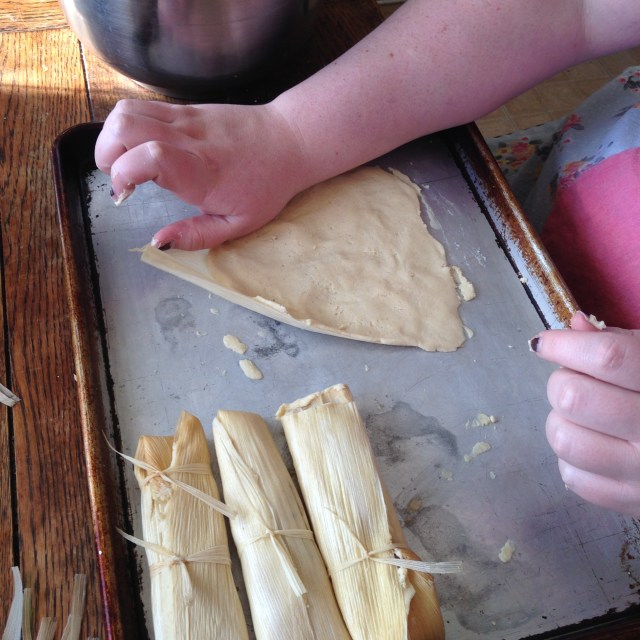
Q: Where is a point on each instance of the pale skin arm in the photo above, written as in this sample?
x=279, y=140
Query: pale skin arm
x=433, y=64
x=594, y=424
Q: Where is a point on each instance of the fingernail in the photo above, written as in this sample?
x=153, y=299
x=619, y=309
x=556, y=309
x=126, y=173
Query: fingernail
x=534, y=343
x=126, y=192
x=161, y=246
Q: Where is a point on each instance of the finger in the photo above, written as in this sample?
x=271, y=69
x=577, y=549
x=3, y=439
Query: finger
x=581, y=322
x=125, y=131
x=605, y=492
x=170, y=167
x=203, y=232
x=607, y=355
x=595, y=404
x=162, y=111
x=591, y=450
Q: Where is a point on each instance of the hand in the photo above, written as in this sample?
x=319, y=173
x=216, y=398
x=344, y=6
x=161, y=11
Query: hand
x=594, y=424
x=239, y=164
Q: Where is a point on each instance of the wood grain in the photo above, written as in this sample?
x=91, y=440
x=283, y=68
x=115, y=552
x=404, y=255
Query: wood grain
x=30, y=15
x=42, y=92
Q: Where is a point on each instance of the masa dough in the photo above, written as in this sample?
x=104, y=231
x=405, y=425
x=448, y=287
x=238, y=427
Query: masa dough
x=349, y=257
x=352, y=254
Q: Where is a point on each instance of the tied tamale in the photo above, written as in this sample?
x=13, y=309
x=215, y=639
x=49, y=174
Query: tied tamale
x=289, y=590
x=193, y=595
x=355, y=524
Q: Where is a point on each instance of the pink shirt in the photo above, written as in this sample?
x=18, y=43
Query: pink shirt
x=593, y=236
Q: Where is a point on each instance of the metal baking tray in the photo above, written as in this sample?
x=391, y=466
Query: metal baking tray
x=148, y=345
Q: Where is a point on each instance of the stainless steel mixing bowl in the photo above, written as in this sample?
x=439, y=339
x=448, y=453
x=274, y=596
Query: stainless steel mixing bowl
x=190, y=48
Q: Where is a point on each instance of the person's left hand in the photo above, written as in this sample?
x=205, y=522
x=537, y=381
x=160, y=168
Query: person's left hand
x=594, y=423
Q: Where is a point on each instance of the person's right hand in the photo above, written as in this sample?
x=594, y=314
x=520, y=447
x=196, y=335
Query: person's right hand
x=239, y=165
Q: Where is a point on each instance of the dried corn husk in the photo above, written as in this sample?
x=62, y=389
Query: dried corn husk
x=47, y=629
x=356, y=527
x=71, y=630
x=193, y=595
x=13, y=627
x=289, y=591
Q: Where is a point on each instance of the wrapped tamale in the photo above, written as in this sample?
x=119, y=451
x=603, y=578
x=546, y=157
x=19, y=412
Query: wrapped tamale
x=289, y=590
x=379, y=591
x=193, y=595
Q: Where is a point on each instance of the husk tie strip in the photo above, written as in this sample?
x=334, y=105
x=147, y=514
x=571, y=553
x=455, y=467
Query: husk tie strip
x=401, y=563
x=213, y=555
x=166, y=475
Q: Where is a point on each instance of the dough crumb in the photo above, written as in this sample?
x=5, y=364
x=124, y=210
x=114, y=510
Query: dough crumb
x=478, y=449
x=250, y=370
x=598, y=324
x=445, y=474
x=234, y=343
x=507, y=551
x=214, y=311
x=481, y=420
x=465, y=288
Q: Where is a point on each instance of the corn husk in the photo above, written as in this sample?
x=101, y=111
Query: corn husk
x=72, y=629
x=355, y=524
x=193, y=595
x=13, y=626
x=289, y=590
x=47, y=629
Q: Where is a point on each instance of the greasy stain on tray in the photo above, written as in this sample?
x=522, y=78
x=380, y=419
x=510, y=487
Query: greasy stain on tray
x=278, y=340
x=390, y=429
x=173, y=315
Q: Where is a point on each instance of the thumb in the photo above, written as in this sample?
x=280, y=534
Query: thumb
x=203, y=231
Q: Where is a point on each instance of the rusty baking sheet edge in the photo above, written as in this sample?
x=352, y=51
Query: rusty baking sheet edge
x=546, y=288
x=123, y=615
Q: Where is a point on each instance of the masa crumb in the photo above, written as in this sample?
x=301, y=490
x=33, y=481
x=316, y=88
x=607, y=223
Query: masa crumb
x=507, y=551
x=250, y=370
x=598, y=324
x=464, y=287
x=481, y=420
x=234, y=343
x=478, y=449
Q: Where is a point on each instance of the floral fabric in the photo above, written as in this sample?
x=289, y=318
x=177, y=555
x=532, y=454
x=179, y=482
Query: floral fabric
x=564, y=174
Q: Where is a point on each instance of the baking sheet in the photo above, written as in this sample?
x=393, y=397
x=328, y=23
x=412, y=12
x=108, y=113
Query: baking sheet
x=572, y=562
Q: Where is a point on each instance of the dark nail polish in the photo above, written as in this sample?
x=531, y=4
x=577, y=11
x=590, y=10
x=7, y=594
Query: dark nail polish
x=165, y=246
x=534, y=343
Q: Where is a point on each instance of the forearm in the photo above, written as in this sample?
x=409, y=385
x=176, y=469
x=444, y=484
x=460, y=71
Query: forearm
x=433, y=64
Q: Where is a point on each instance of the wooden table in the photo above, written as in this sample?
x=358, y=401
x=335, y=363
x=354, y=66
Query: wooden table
x=47, y=86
